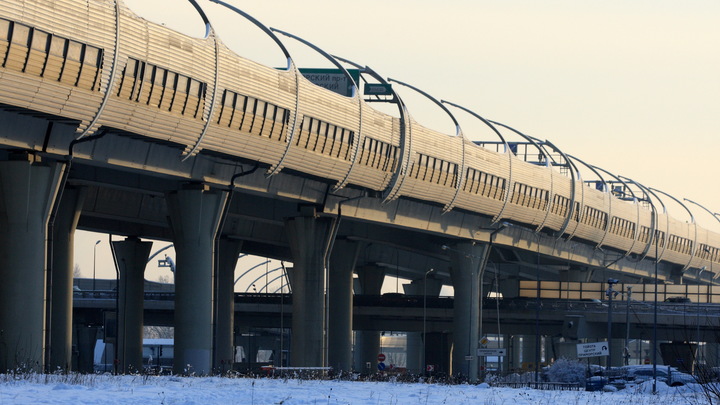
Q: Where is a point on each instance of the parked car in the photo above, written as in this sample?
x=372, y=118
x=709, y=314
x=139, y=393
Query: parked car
x=669, y=375
x=678, y=300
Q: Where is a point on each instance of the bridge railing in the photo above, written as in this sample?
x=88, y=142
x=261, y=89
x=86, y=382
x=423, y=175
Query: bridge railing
x=703, y=294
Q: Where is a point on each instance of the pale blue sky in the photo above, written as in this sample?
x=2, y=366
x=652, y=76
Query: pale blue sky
x=630, y=86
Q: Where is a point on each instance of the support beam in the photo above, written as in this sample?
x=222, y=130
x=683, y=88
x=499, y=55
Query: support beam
x=131, y=257
x=228, y=251
x=28, y=188
x=63, y=262
x=308, y=236
x=340, y=301
x=417, y=347
x=467, y=261
x=195, y=213
x=367, y=342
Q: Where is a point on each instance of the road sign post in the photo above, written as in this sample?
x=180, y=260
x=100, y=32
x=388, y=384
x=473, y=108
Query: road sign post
x=593, y=349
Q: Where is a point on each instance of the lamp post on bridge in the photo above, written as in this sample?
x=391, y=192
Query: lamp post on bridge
x=610, y=293
x=424, y=335
x=94, y=251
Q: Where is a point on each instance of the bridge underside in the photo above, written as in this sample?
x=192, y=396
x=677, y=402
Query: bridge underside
x=125, y=183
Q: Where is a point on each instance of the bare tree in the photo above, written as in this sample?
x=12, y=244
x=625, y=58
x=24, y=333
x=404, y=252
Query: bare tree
x=76, y=271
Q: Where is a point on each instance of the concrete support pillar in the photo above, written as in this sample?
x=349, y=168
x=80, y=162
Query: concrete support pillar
x=367, y=343
x=340, y=300
x=28, y=188
x=426, y=287
x=86, y=339
x=195, y=213
x=228, y=252
x=131, y=257
x=617, y=350
x=509, y=346
x=528, y=350
x=467, y=265
x=711, y=354
x=509, y=287
x=61, y=287
x=308, y=237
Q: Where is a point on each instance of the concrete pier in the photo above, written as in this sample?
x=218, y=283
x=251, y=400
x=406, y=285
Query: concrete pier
x=195, y=212
x=63, y=262
x=340, y=301
x=308, y=237
x=28, y=188
x=131, y=257
x=467, y=262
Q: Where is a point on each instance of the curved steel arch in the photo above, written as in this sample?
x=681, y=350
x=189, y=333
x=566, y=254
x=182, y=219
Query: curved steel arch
x=391, y=191
x=210, y=109
x=249, y=270
x=637, y=209
x=497, y=217
x=693, y=248
x=252, y=283
x=111, y=80
x=290, y=67
x=355, y=94
x=458, y=133
x=655, y=216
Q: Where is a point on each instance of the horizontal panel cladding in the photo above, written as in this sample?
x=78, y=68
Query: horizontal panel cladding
x=622, y=225
x=593, y=218
x=379, y=152
x=63, y=71
x=55, y=58
x=329, y=128
x=485, y=183
x=255, y=109
x=434, y=165
x=161, y=89
x=560, y=203
x=529, y=194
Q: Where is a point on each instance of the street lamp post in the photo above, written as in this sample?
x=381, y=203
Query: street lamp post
x=628, y=297
x=94, y=251
x=424, y=337
x=610, y=293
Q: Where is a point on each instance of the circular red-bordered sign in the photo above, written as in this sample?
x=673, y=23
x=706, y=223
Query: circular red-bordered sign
x=381, y=357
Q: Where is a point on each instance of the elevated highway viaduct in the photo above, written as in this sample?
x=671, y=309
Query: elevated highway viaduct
x=114, y=124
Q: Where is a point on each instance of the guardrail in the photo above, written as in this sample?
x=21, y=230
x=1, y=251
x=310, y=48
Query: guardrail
x=548, y=386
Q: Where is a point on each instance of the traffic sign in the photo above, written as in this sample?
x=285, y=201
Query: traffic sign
x=593, y=349
x=381, y=366
x=381, y=357
x=491, y=352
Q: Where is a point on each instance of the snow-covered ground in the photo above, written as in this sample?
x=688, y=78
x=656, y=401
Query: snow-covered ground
x=108, y=390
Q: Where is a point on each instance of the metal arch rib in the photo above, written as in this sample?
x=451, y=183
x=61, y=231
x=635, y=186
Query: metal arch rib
x=497, y=217
x=527, y=137
x=458, y=133
x=211, y=109
x=260, y=25
x=290, y=66
x=602, y=179
x=111, y=81
x=368, y=70
x=510, y=185
x=637, y=210
x=667, y=223
x=325, y=55
x=571, y=166
x=347, y=75
x=693, y=248
x=655, y=218
x=355, y=94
